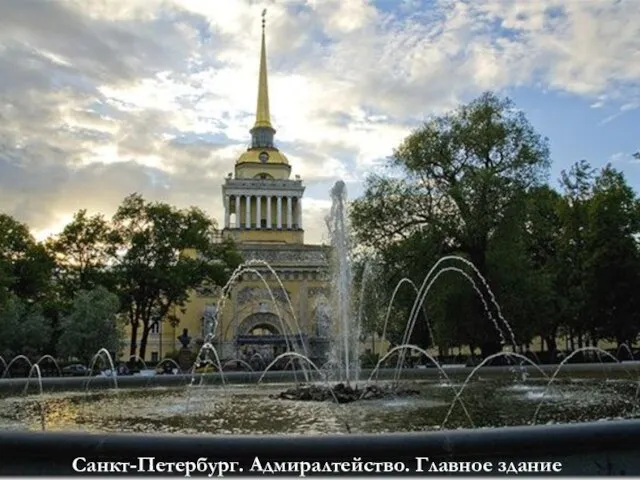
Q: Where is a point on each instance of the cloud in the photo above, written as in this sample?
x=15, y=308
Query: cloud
x=100, y=99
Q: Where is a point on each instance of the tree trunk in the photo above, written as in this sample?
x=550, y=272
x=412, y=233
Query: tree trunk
x=552, y=347
x=134, y=337
x=143, y=340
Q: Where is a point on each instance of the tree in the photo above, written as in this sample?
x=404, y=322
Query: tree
x=612, y=267
x=25, y=266
x=543, y=226
x=161, y=255
x=577, y=184
x=24, y=329
x=459, y=174
x=91, y=325
x=82, y=252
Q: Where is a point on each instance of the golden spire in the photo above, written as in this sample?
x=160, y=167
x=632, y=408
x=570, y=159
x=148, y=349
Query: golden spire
x=263, y=119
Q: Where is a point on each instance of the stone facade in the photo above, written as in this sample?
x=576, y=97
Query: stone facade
x=263, y=213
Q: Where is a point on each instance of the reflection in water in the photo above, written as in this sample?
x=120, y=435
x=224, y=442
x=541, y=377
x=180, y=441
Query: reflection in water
x=241, y=410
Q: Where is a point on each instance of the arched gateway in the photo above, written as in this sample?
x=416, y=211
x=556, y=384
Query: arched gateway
x=262, y=332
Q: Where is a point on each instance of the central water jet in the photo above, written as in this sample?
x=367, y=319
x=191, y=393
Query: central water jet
x=344, y=348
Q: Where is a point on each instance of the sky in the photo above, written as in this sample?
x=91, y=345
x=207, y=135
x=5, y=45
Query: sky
x=103, y=98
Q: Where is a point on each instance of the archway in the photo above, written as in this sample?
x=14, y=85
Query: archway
x=261, y=323
x=259, y=339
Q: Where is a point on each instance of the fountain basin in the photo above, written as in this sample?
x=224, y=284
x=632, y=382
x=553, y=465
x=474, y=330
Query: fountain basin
x=577, y=370
x=500, y=400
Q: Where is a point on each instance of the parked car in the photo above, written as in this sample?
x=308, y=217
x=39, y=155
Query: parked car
x=76, y=370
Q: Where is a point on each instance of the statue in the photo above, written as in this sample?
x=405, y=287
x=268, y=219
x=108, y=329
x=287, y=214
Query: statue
x=210, y=321
x=185, y=339
x=323, y=320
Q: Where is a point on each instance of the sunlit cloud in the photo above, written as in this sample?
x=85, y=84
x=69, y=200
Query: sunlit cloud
x=100, y=99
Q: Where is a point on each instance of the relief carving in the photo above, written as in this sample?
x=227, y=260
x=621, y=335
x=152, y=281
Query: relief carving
x=318, y=291
x=248, y=294
x=208, y=291
x=302, y=257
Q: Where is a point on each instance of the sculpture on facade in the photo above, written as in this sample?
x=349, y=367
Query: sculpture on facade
x=323, y=320
x=210, y=318
x=185, y=339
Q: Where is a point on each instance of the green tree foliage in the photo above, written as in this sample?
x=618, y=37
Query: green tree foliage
x=612, y=267
x=82, y=252
x=24, y=328
x=454, y=180
x=25, y=266
x=153, y=272
x=542, y=229
x=577, y=185
x=91, y=325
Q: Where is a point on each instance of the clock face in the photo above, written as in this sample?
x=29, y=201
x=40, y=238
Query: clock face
x=264, y=156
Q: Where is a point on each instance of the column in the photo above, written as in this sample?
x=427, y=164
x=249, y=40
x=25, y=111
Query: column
x=258, y=208
x=248, y=215
x=289, y=212
x=237, y=225
x=279, y=212
x=269, y=211
x=227, y=213
x=299, y=212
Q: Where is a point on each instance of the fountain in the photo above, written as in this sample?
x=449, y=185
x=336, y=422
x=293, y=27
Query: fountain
x=346, y=331
x=345, y=334
x=493, y=413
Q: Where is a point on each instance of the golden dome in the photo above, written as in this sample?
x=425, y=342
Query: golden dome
x=265, y=156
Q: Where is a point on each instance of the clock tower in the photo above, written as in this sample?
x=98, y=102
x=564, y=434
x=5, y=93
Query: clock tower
x=261, y=203
x=282, y=306
x=274, y=308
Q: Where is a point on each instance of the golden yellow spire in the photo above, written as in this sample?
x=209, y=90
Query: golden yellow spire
x=263, y=119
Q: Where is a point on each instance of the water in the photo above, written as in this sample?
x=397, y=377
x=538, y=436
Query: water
x=344, y=348
x=138, y=358
x=422, y=297
x=172, y=362
x=35, y=369
x=238, y=361
x=562, y=364
x=451, y=398
x=17, y=358
x=103, y=355
x=292, y=311
x=490, y=402
x=389, y=307
x=448, y=383
x=212, y=321
x=485, y=362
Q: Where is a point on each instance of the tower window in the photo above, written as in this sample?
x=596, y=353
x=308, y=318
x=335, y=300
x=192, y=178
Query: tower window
x=262, y=137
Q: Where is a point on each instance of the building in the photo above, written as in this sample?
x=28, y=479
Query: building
x=263, y=214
